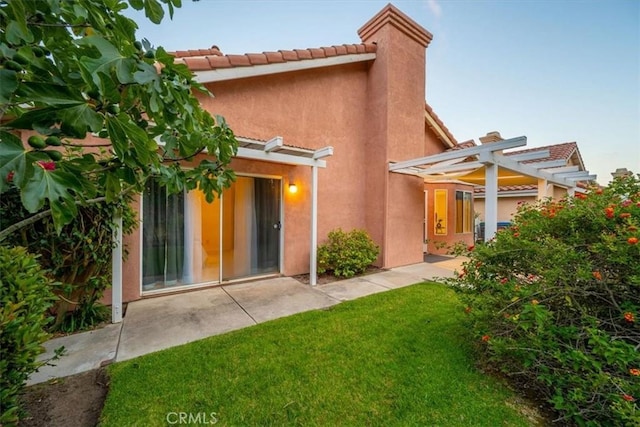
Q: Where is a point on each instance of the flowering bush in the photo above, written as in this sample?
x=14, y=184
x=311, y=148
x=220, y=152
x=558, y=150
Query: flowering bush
x=555, y=302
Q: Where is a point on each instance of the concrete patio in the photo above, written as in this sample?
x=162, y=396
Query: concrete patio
x=158, y=323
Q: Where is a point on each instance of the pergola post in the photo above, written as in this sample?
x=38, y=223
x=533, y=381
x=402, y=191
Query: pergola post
x=116, y=271
x=491, y=201
x=313, y=252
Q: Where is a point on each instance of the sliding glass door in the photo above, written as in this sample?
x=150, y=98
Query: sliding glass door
x=188, y=241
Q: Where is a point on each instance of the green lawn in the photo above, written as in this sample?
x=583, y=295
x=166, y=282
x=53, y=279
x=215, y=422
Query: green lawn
x=399, y=358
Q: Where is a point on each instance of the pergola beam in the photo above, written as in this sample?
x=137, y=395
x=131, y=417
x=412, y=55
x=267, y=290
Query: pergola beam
x=466, y=152
x=533, y=155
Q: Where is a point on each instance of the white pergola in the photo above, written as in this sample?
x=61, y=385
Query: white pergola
x=274, y=151
x=487, y=165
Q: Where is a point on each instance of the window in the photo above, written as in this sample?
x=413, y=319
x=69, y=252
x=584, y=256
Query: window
x=464, y=212
x=440, y=212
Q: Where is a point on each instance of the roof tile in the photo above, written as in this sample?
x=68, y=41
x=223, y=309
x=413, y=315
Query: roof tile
x=239, y=60
x=303, y=53
x=330, y=51
x=317, y=53
x=274, y=57
x=197, y=63
x=257, y=58
x=210, y=59
x=219, y=62
x=289, y=55
x=341, y=50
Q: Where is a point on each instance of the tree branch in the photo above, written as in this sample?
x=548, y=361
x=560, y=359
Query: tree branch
x=37, y=217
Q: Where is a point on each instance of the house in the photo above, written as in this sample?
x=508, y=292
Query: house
x=511, y=196
x=326, y=122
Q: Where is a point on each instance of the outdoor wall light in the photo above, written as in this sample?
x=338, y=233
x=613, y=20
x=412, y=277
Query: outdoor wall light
x=293, y=188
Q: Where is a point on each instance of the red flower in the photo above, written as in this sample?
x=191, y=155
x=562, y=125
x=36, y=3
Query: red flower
x=635, y=372
x=10, y=176
x=597, y=275
x=48, y=166
x=599, y=191
x=486, y=338
x=624, y=215
x=467, y=310
x=628, y=398
x=580, y=196
x=609, y=212
x=632, y=228
x=632, y=240
x=470, y=248
x=629, y=317
x=516, y=234
x=626, y=203
x=504, y=280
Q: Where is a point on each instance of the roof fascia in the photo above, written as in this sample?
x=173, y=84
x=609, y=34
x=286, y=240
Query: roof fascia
x=233, y=73
x=441, y=133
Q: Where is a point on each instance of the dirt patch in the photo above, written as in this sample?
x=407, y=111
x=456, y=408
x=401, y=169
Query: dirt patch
x=325, y=278
x=74, y=401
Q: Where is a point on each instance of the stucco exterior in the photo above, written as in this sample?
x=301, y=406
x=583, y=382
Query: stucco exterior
x=371, y=112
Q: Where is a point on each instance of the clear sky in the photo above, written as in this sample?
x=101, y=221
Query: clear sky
x=552, y=70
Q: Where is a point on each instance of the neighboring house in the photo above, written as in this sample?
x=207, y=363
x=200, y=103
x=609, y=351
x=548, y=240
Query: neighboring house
x=328, y=121
x=510, y=197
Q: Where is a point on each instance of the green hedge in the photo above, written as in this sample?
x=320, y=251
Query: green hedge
x=555, y=303
x=347, y=253
x=25, y=297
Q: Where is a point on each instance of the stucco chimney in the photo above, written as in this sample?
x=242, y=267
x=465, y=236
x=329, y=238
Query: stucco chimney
x=393, y=16
x=490, y=137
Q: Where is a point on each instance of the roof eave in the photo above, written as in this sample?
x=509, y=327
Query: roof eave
x=234, y=73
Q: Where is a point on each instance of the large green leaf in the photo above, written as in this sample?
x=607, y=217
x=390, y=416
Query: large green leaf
x=8, y=84
x=12, y=158
x=154, y=11
x=77, y=119
x=52, y=185
x=50, y=94
x=110, y=59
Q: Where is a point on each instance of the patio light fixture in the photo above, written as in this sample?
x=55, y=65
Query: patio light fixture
x=293, y=188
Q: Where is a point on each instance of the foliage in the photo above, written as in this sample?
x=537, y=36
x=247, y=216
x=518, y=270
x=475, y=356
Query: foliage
x=554, y=302
x=347, y=253
x=78, y=258
x=72, y=74
x=25, y=297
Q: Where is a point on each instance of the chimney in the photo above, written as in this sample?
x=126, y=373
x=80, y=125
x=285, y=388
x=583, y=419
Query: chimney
x=490, y=137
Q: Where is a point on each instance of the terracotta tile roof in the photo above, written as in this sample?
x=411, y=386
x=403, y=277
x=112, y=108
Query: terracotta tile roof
x=462, y=145
x=211, y=59
x=435, y=118
x=503, y=188
x=556, y=152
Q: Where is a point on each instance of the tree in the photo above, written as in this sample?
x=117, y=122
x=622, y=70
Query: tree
x=74, y=78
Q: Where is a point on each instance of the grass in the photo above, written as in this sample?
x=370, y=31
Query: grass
x=397, y=358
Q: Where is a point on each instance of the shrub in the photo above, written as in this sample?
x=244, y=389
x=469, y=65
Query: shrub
x=25, y=297
x=347, y=253
x=79, y=257
x=555, y=302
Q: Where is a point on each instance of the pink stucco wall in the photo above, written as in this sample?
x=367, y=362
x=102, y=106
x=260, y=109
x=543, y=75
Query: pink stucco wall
x=371, y=113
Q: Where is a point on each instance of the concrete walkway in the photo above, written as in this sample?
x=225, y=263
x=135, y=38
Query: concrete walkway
x=155, y=324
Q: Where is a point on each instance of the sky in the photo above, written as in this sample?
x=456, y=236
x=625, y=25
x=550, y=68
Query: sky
x=552, y=70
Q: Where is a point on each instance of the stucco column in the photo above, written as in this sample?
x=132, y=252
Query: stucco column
x=542, y=188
